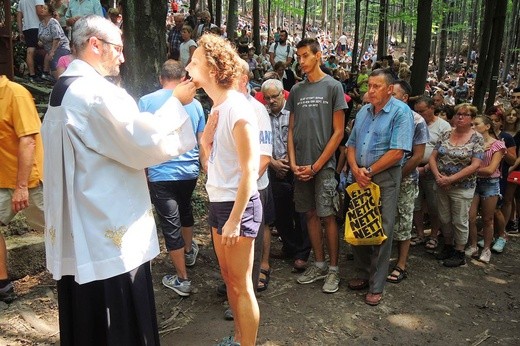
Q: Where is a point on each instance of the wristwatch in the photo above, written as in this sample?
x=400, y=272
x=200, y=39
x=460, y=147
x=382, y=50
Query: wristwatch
x=369, y=170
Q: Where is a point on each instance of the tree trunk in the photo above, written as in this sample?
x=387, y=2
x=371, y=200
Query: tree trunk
x=484, y=69
x=324, y=21
x=510, y=43
x=256, y=25
x=495, y=48
x=145, y=45
x=210, y=9
x=232, y=20
x=268, y=21
x=334, y=22
x=472, y=32
x=304, y=21
x=218, y=13
x=363, y=37
x=383, y=29
x=422, y=47
x=443, y=45
x=193, y=4
x=355, y=46
x=410, y=37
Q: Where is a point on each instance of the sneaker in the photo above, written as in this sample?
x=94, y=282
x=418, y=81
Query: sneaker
x=7, y=294
x=445, y=253
x=228, y=315
x=312, y=274
x=228, y=341
x=499, y=245
x=182, y=288
x=485, y=256
x=35, y=79
x=222, y=290
x=456, y=260
x=331, y=284
x=471, y=251
x=191, y=257
x=48, y=77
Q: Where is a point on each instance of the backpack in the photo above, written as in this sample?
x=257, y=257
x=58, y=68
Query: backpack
x=288, y=49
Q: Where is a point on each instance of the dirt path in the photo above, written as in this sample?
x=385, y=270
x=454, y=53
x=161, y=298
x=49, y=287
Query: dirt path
x=473, y=305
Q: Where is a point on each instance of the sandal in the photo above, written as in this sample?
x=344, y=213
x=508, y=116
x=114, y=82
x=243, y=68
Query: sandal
x=373, y=299
x=417, y=241
x=264, y=281
x=357, y=284
x=431, y=244
x=393, y=278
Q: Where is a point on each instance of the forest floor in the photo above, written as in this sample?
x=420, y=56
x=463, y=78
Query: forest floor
x=476, y=304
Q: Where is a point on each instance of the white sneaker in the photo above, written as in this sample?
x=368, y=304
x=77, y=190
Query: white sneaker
x=485, y=256
x=471, y=251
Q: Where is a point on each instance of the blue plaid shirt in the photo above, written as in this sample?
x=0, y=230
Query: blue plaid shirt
x=374, y=134
x=175, y=40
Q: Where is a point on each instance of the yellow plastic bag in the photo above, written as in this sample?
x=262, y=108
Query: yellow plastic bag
x=363, y=223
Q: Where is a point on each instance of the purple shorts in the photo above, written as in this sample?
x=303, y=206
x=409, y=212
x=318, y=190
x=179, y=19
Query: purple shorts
x=251, y=219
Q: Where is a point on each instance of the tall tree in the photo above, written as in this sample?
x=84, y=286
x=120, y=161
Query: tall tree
x=382, y=36
x=443, y=41
x=422, y=47
x=145, y=46
x=218, y=13
x=355, y=46
x=232, y=20
x=490, y=47
x=304, y=23
x=511, y=38
x=497, y=36
x=256, y=25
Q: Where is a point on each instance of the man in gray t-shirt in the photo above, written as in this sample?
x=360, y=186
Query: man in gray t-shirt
x=316, y=128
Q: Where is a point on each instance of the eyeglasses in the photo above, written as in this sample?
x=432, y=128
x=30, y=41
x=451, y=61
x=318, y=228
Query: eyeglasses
x=118, y=47
x=463, y=114
x=269, y=98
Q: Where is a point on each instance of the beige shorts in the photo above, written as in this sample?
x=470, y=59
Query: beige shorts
x=318, y=193
x=33, y=213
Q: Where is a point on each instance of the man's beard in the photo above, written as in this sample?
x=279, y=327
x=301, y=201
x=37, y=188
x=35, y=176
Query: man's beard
x=109, y=66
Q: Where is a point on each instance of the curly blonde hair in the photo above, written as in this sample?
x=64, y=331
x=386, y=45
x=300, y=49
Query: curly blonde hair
x=222, y=59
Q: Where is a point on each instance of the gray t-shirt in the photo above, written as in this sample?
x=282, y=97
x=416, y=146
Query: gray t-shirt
x=313, y=105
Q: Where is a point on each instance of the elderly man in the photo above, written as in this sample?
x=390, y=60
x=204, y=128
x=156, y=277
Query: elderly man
x=80, y=8
x=290, y=224
x=101, y=233
x=205, y=24
x=381, y=136
x=21, y=155
x=174, y=37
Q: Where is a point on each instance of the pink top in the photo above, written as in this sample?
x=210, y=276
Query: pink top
x=64, y=61
x=496, y=146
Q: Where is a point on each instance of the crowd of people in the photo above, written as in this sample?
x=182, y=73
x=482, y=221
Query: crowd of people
x=285, y=133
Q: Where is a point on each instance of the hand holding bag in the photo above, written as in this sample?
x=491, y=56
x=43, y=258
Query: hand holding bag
x=363, y=222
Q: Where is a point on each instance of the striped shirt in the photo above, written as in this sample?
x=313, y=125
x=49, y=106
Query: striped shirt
x=496, y=146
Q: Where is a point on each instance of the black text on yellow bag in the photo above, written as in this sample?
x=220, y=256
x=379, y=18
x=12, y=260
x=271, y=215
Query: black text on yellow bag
x=363, y=223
